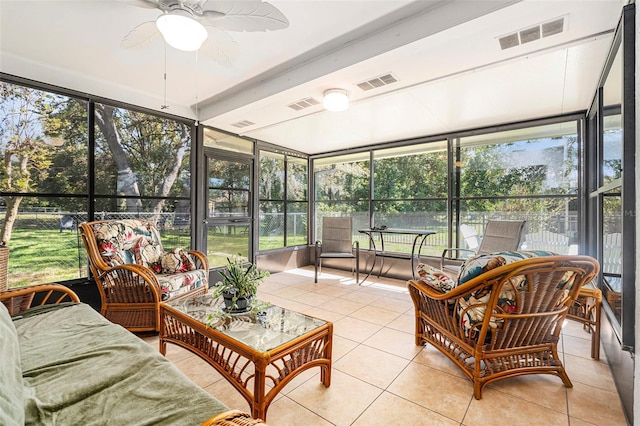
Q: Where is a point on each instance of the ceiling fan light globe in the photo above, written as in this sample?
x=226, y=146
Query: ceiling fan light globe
x=181, y=31
x=335, y=100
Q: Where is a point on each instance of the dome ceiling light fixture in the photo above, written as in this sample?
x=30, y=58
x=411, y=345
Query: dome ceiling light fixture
x=202, y=25
x=335, y=100
x=181, y=30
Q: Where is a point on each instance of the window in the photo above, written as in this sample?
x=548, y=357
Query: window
x=142, y=170
x=611, y=181
x=139, y=168
x=297, y=201
x=43, y=183
x=283, y=200
x=410, y=192
x=342, y=189
x=524, y=174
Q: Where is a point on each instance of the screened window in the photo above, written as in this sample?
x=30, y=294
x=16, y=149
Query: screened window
x=283, y=200
x=525, y=174
x=142, y=170
x=342, y=189
x=410, y=192
x=43, y=183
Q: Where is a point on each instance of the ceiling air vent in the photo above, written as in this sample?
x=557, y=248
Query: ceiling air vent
x=534, y=33
x=304, y=103
x=383, y=80
x=530, y=34
x=553, y=27
x=243, y=123
x=511, y=40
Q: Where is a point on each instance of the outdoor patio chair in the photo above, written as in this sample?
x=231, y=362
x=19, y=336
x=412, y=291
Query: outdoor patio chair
x=68, y=222
x=134, y=273
x=549, y=241
x=499, y=235
x=504, y=322
x=337, y=242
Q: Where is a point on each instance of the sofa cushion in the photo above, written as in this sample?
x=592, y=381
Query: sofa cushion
x=435, y=278
x=11, y=388
x=82, y=369
x=173, y=285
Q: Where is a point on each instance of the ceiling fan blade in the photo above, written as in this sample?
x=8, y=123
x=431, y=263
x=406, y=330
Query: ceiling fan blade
x=219, y=46
x=253, y=15
x=145, y=4
x=141, y=36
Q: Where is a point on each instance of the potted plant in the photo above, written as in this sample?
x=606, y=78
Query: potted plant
x=239, y=284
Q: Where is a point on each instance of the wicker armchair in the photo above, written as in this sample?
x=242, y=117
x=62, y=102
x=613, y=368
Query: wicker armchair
x=526, y=301
x=134, y=273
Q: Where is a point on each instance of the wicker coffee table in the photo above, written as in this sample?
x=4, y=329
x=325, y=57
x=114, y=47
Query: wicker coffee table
x=258, y=353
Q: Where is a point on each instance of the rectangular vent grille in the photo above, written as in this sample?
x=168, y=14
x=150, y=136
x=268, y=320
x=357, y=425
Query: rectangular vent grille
x=243, y=123
x=553, y=27
x=304, y=103
x=374, y=83
x=530, y=34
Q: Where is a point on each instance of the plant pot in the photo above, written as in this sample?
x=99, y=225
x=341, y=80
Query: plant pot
x=242, y=303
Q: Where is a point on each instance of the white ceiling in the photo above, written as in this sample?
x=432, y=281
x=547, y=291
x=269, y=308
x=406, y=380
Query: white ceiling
x=452, y=74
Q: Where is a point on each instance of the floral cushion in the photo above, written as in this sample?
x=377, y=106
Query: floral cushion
x=435, y=278
x=148, y=254
x=136, y=241
x=116, y=239
x=482, y=263
x=173, y=285
x=472, y=308
x=177, y=260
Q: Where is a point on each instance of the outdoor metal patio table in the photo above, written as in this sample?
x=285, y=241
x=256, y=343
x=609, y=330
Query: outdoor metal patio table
x=419, y=234
x=269, y=345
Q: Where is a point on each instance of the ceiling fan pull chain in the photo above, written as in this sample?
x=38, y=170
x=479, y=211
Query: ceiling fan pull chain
x=196, y=78
x=164, y=104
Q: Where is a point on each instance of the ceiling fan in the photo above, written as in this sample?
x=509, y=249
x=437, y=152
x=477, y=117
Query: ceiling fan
x=201, y=25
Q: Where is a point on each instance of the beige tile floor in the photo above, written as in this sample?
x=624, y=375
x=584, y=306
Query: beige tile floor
x=380, y=377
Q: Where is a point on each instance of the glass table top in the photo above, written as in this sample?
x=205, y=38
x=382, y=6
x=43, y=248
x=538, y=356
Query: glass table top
x=263, y=328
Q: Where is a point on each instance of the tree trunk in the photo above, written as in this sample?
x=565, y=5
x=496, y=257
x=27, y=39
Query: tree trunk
x=127, y=183
x=173, y=171
x=13, y=203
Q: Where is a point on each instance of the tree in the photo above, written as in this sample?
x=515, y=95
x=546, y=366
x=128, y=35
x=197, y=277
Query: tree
x=342, y=181
x=66, y=125
x=148, y=155
x=27, y=154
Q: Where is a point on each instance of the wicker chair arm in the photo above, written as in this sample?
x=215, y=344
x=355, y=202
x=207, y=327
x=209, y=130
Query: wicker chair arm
x=233, y=417
x=19, y=299
x=129, y=283
x=202, y=262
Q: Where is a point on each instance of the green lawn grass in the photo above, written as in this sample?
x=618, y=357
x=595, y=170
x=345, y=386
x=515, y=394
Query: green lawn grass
x=48, y=255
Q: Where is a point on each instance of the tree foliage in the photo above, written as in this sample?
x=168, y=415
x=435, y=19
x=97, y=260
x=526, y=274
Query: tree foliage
x=44, y=141
x=26, y=149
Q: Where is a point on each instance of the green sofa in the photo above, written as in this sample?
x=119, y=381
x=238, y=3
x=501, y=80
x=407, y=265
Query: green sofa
x=64, y=364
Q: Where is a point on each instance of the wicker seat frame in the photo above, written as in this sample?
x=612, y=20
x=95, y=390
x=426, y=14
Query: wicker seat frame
x=130, y=293
x=525, y=341
x=587, y=309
